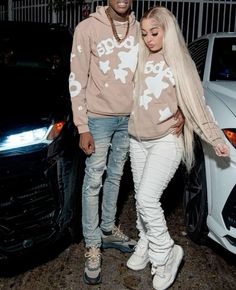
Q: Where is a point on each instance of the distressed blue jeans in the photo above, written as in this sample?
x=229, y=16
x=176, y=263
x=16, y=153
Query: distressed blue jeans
x=111, y=140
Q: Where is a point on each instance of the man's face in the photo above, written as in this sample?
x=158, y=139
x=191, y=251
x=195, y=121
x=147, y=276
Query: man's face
x=121, y=7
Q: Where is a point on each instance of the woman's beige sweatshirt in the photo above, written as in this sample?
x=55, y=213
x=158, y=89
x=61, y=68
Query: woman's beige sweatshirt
x=153, y=111
x=102, y=70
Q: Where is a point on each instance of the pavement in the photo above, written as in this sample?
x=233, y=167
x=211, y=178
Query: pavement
x=207, y=267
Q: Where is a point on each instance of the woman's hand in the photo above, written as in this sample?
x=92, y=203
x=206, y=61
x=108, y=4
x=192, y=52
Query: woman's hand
x=222, y=150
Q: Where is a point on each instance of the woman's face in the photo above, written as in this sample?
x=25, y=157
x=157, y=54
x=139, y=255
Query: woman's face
x=152, y=34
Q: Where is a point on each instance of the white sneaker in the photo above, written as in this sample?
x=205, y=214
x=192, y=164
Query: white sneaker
x=165, y=275
x=139, y=259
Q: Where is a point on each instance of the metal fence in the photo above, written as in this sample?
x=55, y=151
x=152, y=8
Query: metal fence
x=195, y=17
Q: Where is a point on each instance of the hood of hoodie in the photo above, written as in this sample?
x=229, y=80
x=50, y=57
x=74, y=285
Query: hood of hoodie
x=101, y=16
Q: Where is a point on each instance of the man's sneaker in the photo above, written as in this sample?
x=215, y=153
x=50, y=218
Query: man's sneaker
x=165, y=275
x=118, y=240
x=92, y=270
x=139, y=259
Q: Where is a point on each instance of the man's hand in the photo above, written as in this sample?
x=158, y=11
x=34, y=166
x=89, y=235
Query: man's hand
x=86, y=143
x=178, y=126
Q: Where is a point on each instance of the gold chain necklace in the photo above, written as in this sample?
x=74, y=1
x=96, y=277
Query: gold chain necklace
x=114, y=31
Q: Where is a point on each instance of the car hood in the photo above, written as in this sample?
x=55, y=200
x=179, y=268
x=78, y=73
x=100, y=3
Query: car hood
x=226, y=92
x=32, y=97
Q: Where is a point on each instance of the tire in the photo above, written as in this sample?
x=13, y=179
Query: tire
x=195, y=199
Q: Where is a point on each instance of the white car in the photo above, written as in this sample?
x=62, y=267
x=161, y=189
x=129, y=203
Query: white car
x=210, y=193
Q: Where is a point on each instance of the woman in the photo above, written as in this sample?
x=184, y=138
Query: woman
x=166, y=79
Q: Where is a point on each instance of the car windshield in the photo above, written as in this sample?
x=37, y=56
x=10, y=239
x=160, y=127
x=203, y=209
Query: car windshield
x=33, y=47
x=34, y=70
x=223, y=65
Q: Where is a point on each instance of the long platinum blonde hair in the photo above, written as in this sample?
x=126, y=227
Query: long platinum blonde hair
x=188, y=84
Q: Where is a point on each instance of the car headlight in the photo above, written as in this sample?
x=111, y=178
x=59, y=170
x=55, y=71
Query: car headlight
x=230, y=134
x=28, y=138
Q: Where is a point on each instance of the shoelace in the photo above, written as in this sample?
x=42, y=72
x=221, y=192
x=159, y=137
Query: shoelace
x=117, y=232
x=93, y=255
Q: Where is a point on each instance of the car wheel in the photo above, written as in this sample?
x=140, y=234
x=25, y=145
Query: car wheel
x=195, y=199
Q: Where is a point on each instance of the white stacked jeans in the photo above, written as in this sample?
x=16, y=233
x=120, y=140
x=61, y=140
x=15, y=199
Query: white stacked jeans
x=153, y=164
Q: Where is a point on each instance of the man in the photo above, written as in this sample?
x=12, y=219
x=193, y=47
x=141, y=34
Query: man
x=103, y=61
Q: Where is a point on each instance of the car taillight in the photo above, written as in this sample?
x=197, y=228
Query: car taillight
x=230, y=134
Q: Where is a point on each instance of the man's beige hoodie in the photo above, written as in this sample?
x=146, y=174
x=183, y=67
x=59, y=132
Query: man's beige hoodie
x=102, y=70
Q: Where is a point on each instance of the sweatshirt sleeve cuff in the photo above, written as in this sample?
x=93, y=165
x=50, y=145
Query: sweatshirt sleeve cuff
x=83, y=128
x=218, y=141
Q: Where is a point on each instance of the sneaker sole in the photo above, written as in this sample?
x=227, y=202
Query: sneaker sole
x=138, y=267
x=179, y=257
x=92, y=281
x=123, y=249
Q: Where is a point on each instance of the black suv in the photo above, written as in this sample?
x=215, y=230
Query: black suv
x=40, y=162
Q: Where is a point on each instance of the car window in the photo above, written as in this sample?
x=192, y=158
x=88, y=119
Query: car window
x=198, y=51
x=224, y=59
